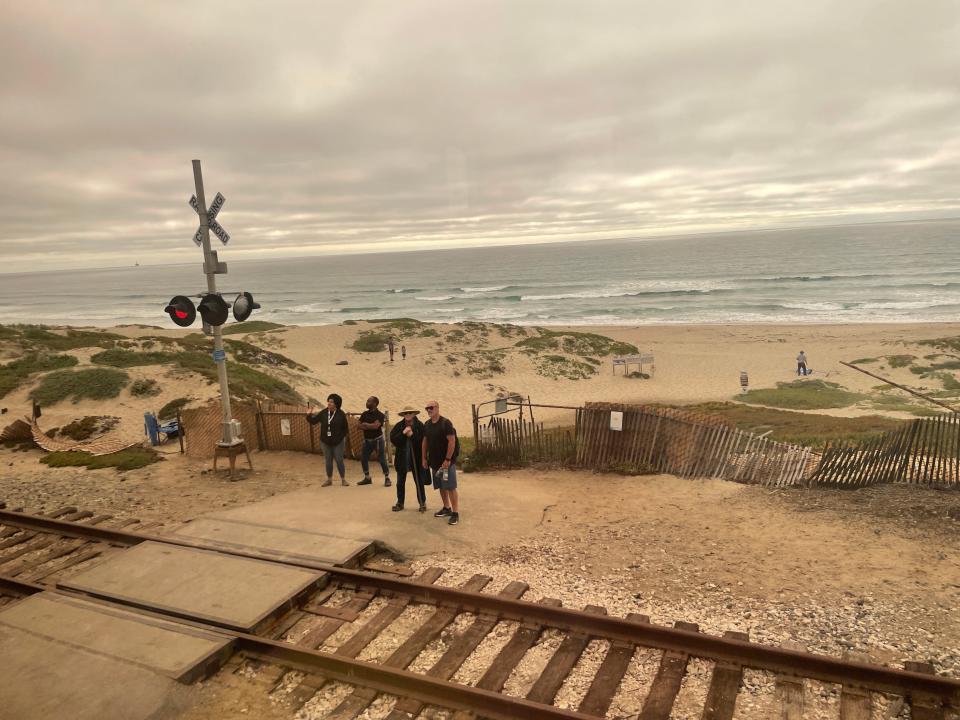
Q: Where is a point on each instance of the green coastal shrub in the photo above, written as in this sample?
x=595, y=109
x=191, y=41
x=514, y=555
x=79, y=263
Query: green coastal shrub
x=370, y=341
x=117, y=357
x=803, y=395
x=245, y=352
x=245, y=382
x=40, y=337
x=145, y=388
x=129, y=459
x=14, y=373
x=86, y=427
x=576, y=343
x=93, y=384
x=563, y=366
x=169, y=411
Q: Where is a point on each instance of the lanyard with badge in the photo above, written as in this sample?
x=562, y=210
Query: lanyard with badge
x=329, y=424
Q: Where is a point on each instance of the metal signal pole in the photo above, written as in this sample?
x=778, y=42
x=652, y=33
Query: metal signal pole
x=211, y=267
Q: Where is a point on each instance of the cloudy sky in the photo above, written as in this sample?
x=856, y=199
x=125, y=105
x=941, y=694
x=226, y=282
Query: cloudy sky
x=358, y=126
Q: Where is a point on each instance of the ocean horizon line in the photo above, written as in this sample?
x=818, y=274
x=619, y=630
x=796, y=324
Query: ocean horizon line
x=493, y=246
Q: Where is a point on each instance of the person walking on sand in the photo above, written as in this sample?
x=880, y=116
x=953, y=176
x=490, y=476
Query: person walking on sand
x=333, y=435
x=439, y=455
x=403, y=352
x=802, y=363
x=390, y=347
x=407, y=438
x=371, y=422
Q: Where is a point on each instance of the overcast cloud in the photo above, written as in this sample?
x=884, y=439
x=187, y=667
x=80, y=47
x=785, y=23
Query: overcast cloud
x=360, y=126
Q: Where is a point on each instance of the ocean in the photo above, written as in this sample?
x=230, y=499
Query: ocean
x=891, y=272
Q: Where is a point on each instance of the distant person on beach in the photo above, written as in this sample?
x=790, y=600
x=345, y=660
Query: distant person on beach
x=403, y=352
x=802, y=363
x=439, y=455
x=407, y=439
x=371, y=422
x=333, y=435
x=390, y=347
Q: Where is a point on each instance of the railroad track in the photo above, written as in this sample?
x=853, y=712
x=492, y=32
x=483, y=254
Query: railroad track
x=346, y=633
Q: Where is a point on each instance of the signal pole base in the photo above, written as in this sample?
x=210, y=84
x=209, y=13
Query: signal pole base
x=231, y=452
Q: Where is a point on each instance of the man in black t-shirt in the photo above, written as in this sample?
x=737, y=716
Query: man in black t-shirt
x=371, y=422
x=439, y=455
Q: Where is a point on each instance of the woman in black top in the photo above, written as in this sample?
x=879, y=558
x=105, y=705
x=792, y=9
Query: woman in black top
x=333, y=435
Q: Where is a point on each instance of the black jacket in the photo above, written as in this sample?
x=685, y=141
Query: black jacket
x=338, y=427
x=401, y=441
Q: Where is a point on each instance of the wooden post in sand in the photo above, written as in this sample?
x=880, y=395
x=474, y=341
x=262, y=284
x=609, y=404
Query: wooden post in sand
x=476, y=426
x=180, y=431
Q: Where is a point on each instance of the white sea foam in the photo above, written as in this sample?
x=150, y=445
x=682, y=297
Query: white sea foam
x=310, y=308
x=486, y=289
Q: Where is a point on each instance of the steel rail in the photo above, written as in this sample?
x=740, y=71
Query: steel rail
x=761, y=657
x=382, y=678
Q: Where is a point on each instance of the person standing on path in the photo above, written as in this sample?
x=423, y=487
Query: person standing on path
x=333, y=435
x=371, y=422
x=403, y=352
x=390, y=347
x=802, y=363
x=439, y=455
x=407, y=438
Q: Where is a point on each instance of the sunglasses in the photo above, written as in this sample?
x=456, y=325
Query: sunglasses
x=430, y=407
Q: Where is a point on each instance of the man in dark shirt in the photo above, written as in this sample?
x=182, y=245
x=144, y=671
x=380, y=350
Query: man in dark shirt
x=371, y=422
x=439, y=455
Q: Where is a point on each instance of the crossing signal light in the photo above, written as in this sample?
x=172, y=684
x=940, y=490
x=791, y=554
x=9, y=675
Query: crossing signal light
x=181, y=310
x=213, y=309
x=243, y=306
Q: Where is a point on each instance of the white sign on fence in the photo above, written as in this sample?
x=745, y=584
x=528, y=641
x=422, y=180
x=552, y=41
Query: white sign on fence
x=284, y=426
x=616, y=420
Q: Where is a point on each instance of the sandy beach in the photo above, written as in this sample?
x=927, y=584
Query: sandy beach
x=693, y=364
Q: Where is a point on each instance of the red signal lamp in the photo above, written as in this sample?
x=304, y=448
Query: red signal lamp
x=181, y=310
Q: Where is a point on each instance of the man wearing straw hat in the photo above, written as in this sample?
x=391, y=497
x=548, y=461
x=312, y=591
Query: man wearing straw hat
x=407, y=436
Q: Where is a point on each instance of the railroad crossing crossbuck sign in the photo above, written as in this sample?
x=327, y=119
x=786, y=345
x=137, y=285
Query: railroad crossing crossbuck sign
x=212, y=223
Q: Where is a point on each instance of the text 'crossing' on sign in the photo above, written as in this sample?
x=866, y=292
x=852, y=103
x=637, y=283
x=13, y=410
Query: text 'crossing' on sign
x=212, y=223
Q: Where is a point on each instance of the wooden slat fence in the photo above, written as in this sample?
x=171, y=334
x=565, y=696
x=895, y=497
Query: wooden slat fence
x=925, y=451
x=652, y=439
x=688, y=445
x=202, y=430
x=263, y=426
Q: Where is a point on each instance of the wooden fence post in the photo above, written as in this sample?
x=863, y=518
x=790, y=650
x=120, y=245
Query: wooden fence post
x=180, y=431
